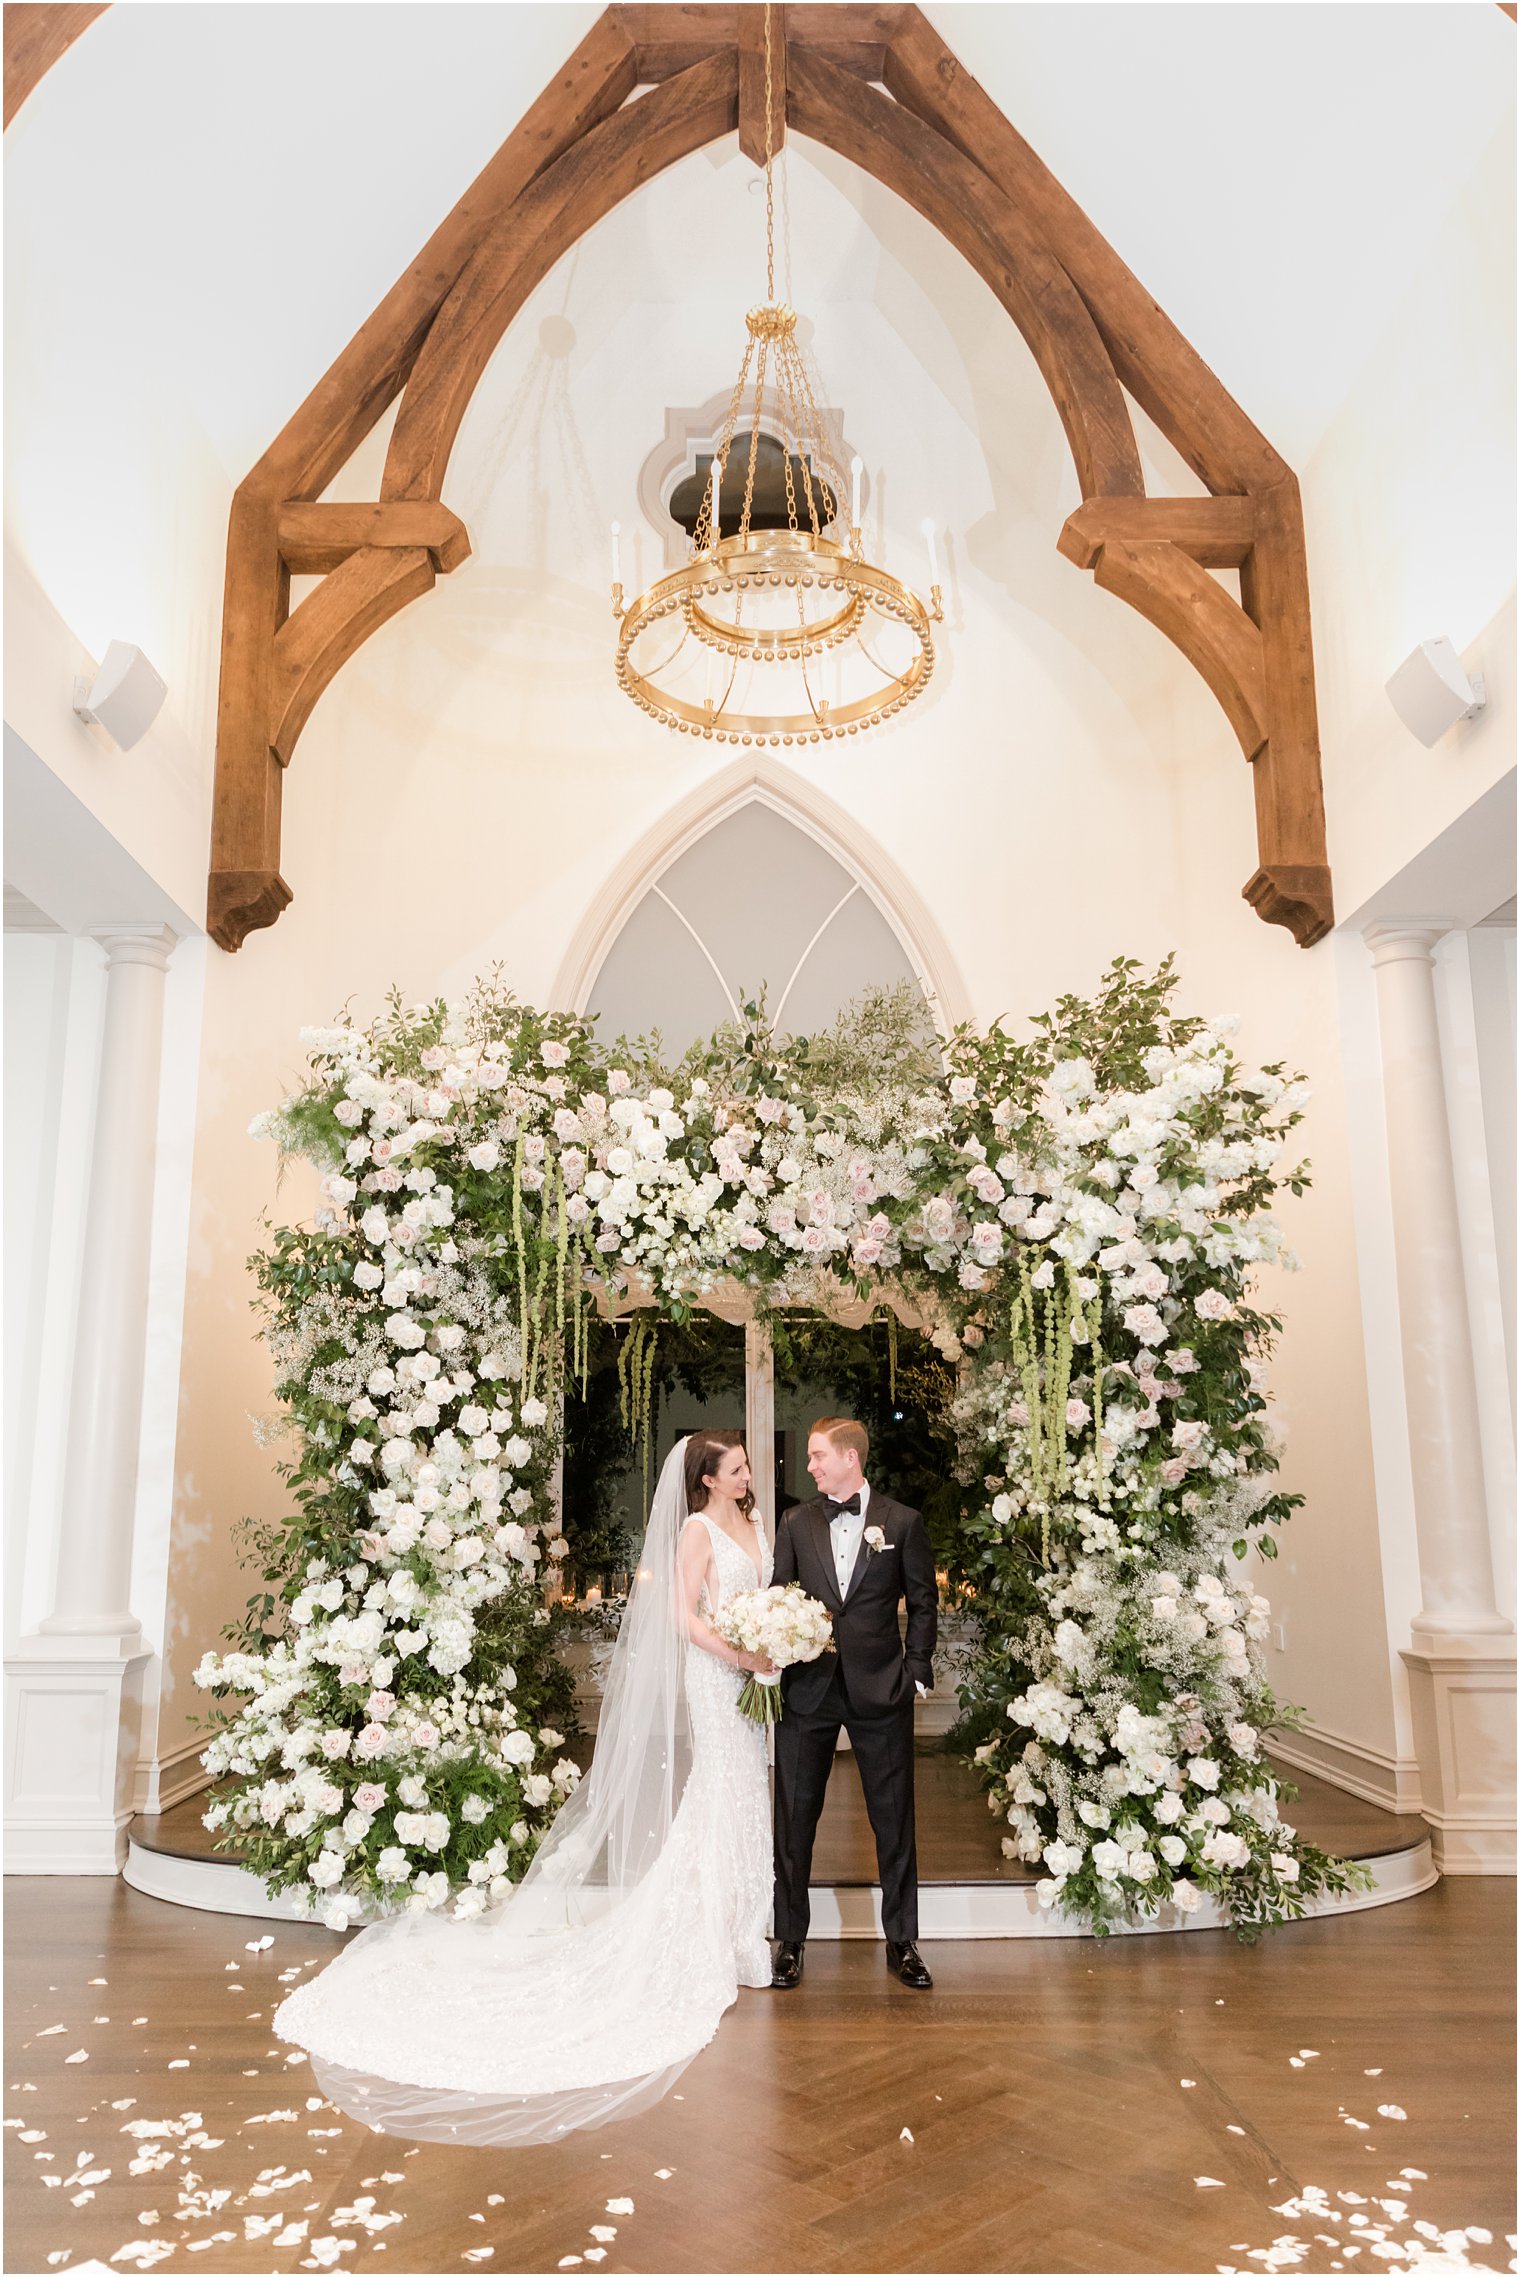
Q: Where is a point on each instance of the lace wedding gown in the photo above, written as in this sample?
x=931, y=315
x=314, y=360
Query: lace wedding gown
x=452, y=2031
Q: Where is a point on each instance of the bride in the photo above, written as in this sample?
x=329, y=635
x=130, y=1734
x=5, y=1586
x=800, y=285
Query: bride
x=585, y=1994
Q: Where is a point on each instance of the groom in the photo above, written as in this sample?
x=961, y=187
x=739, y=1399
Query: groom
x=860, y=1554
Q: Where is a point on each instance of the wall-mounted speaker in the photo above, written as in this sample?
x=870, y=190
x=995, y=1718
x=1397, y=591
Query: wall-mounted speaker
x=125, y=696
x=1430, y=691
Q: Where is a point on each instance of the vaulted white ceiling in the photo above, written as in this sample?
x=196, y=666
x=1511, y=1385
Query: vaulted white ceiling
x=205, y=202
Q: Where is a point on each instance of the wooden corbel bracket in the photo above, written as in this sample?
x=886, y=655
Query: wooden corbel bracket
x=1162, y=577
x=315, y=539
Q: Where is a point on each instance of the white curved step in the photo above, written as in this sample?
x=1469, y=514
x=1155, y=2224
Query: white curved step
x=945, y=1909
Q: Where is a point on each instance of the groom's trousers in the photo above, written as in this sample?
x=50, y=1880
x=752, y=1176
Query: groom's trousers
x=883, y=1745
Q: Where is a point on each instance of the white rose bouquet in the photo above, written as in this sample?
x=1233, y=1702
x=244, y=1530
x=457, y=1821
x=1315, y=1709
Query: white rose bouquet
x=787, y=1626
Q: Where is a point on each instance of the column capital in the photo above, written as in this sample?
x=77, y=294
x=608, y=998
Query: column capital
x=1395, y=940
x=151, y=945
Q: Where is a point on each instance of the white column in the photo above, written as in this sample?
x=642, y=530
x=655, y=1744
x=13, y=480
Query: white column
x=74, y=1686
x=1461, y=1659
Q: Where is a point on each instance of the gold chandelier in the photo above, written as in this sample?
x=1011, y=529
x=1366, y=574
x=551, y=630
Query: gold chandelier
x=776, y=635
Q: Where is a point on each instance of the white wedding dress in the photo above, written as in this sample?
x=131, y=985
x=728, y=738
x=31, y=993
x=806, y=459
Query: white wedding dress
x=594, y=1984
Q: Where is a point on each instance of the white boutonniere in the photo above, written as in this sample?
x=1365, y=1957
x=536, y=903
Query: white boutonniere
x=875, y=1539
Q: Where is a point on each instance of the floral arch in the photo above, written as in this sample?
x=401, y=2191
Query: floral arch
x=1078, y=1218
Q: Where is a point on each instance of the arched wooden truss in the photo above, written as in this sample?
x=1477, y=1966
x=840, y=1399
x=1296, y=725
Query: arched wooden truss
x=648, y=85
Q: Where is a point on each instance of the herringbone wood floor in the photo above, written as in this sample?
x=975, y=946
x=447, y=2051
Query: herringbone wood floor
x=1043, y=2085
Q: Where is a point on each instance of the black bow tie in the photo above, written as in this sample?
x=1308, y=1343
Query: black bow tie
x=849, y=1509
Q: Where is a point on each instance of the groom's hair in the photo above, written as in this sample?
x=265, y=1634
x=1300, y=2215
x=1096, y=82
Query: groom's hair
x=845, y=1434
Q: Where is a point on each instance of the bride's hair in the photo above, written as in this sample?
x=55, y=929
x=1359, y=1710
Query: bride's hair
x=705, y=1450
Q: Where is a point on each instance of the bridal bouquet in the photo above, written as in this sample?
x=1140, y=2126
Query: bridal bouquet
x=787, y=1626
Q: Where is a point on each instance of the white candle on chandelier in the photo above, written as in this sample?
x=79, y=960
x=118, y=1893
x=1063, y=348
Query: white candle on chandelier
x=928, y=528
x=857, y=469
x=717, y=482
x=617, y=566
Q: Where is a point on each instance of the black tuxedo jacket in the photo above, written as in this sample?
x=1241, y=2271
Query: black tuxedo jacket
x=877, y=1668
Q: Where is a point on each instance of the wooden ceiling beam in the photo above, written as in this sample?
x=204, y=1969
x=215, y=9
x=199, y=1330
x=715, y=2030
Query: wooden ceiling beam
x=1292, y=886
x=910, y=158
x=1162, y=371
x=367, y=377
x=36, y=34
x=671, y=36
x=936, y=140
x=754, y=125
x=555, y=210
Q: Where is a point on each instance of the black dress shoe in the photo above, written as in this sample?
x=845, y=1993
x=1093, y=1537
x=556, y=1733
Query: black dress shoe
x=787, y=1970
x=906, y=1964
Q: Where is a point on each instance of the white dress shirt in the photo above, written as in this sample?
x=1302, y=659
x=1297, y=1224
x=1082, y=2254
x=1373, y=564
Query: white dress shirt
x=845, y=1532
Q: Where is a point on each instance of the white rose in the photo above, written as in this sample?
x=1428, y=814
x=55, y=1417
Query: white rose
x=475, y=1810
x=412, y=1791
x=326, y=1869
x=1186, y=1897
x=1222, y=1849
x=1063, y=1858
x=517, y=1747
x=392, y=1866
x=1203, y=1771
x=537, y=1789
x=1172, y=1848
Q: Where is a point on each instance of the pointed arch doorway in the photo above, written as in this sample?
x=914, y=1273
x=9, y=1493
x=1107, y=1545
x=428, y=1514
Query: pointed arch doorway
x=756, y=882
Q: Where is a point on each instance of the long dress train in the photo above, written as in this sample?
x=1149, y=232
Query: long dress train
x=457, y=2032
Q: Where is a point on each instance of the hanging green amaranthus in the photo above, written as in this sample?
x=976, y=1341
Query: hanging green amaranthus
x=1092, y=1320
x=1040, y=1332
x=636, y=1357
x=561, y=1276
x=522, y=1256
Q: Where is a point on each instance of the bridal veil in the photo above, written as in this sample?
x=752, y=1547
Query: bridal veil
x=511, y=2029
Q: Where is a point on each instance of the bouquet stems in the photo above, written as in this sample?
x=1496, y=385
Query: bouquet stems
x=760, y=1699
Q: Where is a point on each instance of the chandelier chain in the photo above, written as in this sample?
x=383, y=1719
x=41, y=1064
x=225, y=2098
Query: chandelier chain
x=770, y=148
x=789, y=598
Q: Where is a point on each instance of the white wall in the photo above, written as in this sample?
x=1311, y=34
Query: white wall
x=1067, y=792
